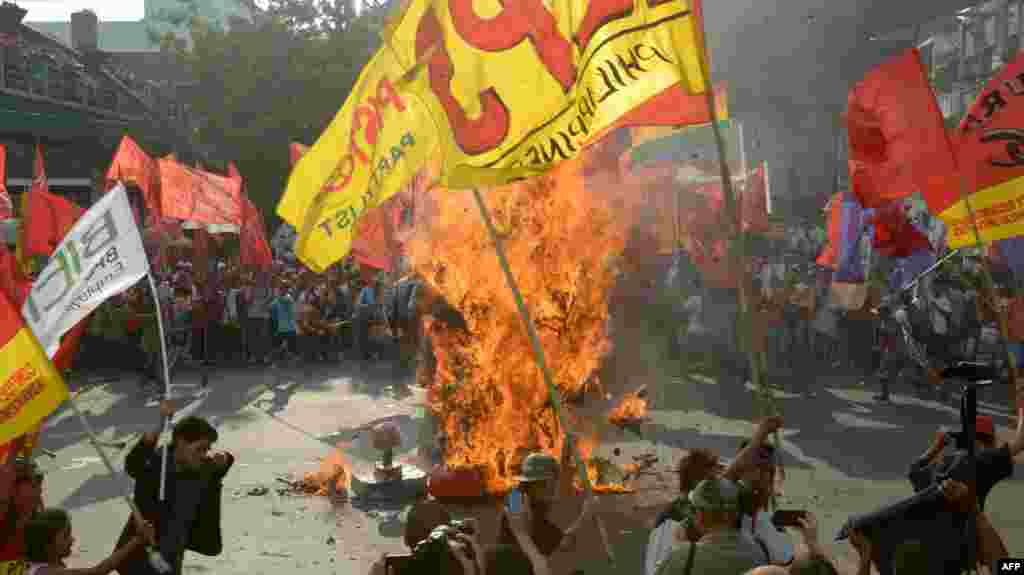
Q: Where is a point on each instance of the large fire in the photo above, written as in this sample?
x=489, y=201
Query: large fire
x=562, y=240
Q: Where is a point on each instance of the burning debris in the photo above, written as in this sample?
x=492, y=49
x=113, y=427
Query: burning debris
x=484, y=387
x=631, y=411
x=333, y=479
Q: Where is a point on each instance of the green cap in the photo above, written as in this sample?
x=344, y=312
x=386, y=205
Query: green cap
x=538, y=467
x=716, y=495
x=25, y=468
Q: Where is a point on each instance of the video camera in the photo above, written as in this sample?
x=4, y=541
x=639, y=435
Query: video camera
x=907, y=519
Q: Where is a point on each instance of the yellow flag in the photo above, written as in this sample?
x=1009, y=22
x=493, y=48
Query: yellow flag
x=30, y=387
x=495, y=92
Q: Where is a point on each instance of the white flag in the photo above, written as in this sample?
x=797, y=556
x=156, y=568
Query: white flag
x=100, y=257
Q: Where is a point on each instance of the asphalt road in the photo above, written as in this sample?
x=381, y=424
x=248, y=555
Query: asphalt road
x=843, y=454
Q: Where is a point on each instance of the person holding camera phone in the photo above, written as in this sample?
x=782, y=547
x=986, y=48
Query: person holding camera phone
x=540, y=483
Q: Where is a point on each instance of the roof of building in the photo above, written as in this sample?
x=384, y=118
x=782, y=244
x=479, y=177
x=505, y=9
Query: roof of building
x=112, y=36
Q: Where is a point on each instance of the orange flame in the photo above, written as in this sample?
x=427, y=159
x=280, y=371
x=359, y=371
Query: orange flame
x=486, y=390
x=335, y=474
x=632, y=409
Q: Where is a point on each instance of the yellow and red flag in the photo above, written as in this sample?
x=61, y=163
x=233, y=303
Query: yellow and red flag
x=30, y=387
x=495, y=96
x=988, y=145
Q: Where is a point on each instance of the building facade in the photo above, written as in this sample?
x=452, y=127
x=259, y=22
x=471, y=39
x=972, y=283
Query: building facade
x=962, y=51
x=75, y=103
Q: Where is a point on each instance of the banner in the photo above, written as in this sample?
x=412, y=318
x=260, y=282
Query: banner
x=100, y=257
x=30, y=388
x=989, y=156
x=497, y=97
x=198, y=196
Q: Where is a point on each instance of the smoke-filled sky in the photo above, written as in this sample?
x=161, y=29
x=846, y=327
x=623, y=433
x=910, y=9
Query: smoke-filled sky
x=790, y=65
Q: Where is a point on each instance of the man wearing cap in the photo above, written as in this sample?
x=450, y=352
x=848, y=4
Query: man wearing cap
x=722, y=549
x=993, y=463
x=21, y=495
x=541, y=481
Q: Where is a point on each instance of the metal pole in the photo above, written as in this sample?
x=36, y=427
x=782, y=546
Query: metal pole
x=155, y=559
x=538, y=354
x=167, y=380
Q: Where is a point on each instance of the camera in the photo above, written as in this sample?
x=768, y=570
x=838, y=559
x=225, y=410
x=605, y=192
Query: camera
x=433, y=552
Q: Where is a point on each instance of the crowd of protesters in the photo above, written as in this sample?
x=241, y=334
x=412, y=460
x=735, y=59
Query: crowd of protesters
x=231, y=317
x=884, y=329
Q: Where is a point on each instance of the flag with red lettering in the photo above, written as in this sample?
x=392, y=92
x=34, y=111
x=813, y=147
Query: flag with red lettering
x=897, y=134
x=988, y=144
x=30, y=387
x=6, y=204
x=594, y=67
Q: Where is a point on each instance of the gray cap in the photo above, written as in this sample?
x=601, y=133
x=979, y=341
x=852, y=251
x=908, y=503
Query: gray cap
x=716, y=494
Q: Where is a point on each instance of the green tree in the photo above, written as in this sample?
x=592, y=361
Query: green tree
x=275, y=77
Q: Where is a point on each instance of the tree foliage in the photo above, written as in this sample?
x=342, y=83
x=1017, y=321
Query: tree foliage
x=276, y=76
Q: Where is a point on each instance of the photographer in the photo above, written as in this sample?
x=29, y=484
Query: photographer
x=542, y=479
x=918, y=555
x=993, y=463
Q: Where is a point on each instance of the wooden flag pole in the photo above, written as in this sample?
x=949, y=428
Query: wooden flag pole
x=739, y=253
x=538, y=354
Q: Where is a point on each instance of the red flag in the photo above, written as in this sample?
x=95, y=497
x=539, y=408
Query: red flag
x=895, y=236
x=253, y=247
x=374, y=243
x=755, y=202
x=829, y=254
x=132, y=166
x=6, y=204
x=13, y=284
x=895, y=127
x=296, y=151
x=69, y=344
x=50, y=218
x=988, y=145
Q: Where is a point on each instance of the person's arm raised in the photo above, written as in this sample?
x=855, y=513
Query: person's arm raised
x=135, y=461
x=747, y=457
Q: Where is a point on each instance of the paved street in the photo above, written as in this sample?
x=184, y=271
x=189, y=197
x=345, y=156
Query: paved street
x=843, y=453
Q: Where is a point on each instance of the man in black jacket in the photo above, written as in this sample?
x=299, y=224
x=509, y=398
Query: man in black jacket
x=189, y=518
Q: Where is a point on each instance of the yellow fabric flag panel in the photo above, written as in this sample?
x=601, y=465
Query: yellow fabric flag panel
x=494, y=91
x=30, y=388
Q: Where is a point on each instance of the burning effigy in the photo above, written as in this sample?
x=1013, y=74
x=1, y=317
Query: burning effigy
x=562, y=239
